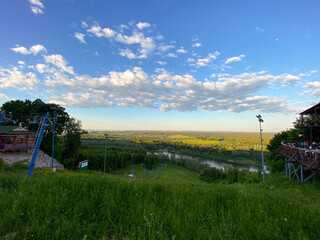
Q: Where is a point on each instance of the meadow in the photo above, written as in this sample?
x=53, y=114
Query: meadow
x=175, y=204
x=218, y=140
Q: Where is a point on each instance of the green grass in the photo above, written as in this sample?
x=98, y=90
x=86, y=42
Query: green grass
x=169, y=174
x=175, y=205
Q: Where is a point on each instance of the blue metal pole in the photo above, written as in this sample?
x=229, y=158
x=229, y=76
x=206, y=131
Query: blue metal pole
x=35, y=153
x=144, y=174
x=53, y=122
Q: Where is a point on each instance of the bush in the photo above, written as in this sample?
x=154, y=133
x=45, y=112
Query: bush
x=232, y=175
x=213, y=174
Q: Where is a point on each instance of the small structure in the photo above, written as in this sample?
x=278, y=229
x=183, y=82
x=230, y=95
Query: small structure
x=82, y=165
x=299, y=160
x=14, y=138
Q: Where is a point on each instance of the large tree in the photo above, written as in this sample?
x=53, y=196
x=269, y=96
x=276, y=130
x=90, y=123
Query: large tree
x=72, y=141
x=24, y=112
x=275, y=161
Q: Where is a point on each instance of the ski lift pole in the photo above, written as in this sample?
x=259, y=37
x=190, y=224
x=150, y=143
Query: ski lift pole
x=36, y=149
x=53, y=122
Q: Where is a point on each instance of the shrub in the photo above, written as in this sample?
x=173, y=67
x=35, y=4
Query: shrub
x=213, y=174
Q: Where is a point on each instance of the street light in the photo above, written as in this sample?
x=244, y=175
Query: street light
x=105, y=153
x=263, y=170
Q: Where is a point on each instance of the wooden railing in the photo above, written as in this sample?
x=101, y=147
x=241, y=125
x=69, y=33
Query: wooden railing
x=307, y=157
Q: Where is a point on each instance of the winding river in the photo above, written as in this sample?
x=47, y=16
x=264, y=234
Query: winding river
x=213, y=163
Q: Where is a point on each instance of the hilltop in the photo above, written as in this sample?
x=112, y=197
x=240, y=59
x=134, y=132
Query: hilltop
x=172, y=205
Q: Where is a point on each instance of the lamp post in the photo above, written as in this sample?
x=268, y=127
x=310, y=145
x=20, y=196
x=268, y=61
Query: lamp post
x=105, y=154
x=263, y=170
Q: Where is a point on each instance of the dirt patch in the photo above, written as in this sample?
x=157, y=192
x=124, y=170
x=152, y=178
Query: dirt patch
x=43, y=160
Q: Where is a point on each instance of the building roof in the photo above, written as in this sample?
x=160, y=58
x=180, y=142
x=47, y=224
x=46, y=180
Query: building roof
x=311, y=110
x=14, y=130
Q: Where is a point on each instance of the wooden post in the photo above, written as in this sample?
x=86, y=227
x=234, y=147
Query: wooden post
x=302, y=126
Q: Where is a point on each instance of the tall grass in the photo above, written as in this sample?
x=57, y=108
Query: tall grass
x=70, y=205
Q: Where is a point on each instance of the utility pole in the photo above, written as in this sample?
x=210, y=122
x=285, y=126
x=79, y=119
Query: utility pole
x=53, y=123
x=105, y=154
x=262, y=158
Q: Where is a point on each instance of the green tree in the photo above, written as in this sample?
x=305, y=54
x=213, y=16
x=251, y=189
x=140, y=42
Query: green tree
x=73, y=131
x=274, y=160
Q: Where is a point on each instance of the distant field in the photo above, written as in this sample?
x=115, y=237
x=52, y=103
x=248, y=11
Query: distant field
x=219, y=140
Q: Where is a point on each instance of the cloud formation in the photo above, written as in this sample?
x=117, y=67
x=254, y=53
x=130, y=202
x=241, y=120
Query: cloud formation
x=235, y=59
x=35, y=49
x=161, y=89
x=36, y=6
x=146, y=45
x=80, y=37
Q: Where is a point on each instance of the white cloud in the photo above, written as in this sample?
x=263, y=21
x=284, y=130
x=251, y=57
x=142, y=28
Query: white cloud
x=41, y=67
x=181, y=50
x=36, y=6
x=286, y=79
x=35, y=49
x=202, y=62
x=172, y=55
x=197, y=45
x=17, y=79
x=164, y=48
x=84, y=24
x=129, y=54
x=235, y=59
x=21, y=50
x=101, y=32
x=259, y=29
x=58, y=61
x=146, y=44
x=142, y=25
x=80, y=37
x=314, y=89
x=162, y=62
x=21, y=63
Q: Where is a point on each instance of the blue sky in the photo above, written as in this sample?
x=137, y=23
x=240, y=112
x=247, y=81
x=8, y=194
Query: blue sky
x=164, y=65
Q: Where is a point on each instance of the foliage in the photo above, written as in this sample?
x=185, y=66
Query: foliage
x=213, y=174
x=275, y=161
x=233, y=175
x=22, y=111
x=72, y=139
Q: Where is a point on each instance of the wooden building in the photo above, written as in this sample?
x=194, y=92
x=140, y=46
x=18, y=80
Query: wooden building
x=302, y=160
x=310, y=123
x=14, y=138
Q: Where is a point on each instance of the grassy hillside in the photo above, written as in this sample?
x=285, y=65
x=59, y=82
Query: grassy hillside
x=174, y=205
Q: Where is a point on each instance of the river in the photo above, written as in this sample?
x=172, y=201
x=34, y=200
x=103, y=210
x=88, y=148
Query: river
x=213, y=163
